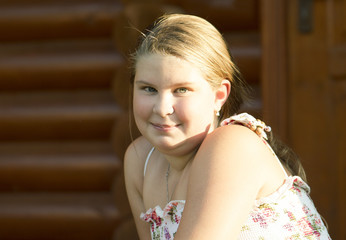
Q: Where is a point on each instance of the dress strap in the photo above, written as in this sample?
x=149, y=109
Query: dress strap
x=282, y=167
x=147, y=160
x=257, y=126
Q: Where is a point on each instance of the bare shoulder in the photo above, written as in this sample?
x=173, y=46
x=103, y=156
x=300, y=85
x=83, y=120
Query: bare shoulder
x=137, y=150
x=234, y=137
x=133, y=168
x=134, y=162
x=135, y=156
x=235, y=149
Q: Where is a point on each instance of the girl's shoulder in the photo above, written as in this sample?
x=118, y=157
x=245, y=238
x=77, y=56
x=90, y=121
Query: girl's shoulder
x=250, y=127
x=237, y=143
x=134, y=159
x=137, y=152
x=133, y=170
x=236, y=135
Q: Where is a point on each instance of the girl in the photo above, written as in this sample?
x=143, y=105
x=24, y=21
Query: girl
x=187, y=177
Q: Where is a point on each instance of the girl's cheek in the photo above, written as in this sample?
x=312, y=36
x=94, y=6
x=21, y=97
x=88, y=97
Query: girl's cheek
x=182, y=110
x=141, y=107
x=136, y=105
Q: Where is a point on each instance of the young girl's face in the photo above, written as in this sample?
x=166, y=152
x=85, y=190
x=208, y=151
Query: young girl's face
x=174, y=106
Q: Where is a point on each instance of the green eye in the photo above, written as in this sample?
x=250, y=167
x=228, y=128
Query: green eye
x=182, y=90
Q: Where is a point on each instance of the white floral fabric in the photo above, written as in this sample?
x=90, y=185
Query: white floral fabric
x=164, y=222
x=287, y=214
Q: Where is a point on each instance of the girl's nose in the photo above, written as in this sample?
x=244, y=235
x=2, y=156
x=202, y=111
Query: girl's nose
x=164, y=106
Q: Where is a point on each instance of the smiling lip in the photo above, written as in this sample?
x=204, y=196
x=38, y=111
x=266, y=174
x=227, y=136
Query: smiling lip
x=164, y=127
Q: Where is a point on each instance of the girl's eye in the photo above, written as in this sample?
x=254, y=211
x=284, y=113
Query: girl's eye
x=149, y=89
x=181, y=90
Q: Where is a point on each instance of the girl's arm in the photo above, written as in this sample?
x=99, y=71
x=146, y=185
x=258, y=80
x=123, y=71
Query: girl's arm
x=133, y=169
x=231, y=168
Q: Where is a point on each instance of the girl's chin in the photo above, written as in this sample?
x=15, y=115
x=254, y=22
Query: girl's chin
x=165, y=143
x=176, y=148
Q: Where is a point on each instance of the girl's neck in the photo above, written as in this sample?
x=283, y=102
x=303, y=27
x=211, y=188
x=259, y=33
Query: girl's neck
x=178, y=163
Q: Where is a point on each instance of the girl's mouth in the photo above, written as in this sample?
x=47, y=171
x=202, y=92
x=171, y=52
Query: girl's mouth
x=165, y=127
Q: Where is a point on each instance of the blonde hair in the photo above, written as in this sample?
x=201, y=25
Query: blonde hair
x=197, y=41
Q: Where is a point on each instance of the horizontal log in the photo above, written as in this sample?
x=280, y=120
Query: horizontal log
x=57, y=19
x=57, y=115
x=48, y=148
x=60, y=216
x=66, y=166
x=58, y=65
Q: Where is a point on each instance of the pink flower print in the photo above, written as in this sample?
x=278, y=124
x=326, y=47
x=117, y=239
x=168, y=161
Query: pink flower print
x=260, y=219
x=306, y=210
x=291, y=216
x=177, y=219
x=318, y=221
x=299, y=184
x=289, y=227
x=146, y=218
x=297, y=187
x=305, y=227
x=268, y=212
x=295, y=190
x=317, y=225
x=156, y=218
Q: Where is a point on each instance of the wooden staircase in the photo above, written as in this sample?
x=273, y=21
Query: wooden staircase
x=58, y=115
x=64, y=108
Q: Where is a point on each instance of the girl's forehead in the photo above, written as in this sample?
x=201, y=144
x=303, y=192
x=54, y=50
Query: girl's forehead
x=166, y=67
x=160, y=59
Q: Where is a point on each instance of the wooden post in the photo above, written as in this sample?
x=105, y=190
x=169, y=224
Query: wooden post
x=274, y=69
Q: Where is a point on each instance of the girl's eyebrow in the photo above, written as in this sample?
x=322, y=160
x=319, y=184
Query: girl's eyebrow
x=183, y=84
x=142, y=82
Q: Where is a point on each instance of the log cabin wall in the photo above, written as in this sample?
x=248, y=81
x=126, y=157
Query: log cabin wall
x=58, y=111
x=64, y=107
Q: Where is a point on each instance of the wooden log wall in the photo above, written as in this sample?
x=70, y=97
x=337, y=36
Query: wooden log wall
x=64, y=107
x=58, y=112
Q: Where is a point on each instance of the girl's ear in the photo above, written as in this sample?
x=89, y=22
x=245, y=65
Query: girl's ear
x=222, y=94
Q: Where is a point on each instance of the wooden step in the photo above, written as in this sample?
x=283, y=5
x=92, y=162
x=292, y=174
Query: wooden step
x=34, y=20
x=74, y=216
x=57, y=115
x=77, y=64
x=57, y=166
